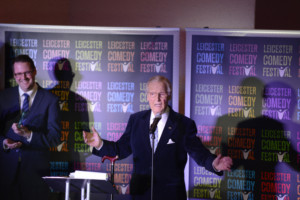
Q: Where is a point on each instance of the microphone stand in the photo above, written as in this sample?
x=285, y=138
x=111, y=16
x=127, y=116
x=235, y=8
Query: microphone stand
x=153, y=127
x=152, y=163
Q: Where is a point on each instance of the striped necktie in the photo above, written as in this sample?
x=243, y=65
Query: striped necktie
x=25, y=106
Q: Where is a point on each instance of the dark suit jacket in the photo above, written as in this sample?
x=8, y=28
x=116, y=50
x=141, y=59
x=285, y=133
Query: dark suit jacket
x=44, y=122
x=169, y=159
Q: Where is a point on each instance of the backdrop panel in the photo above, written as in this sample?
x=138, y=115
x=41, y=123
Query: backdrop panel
x=243, y=92
x=100, y=76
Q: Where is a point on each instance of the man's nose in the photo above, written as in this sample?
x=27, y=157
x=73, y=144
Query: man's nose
x=158, y=97
x=24, y=76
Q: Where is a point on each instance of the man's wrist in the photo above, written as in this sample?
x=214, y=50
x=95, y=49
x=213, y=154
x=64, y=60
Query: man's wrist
x=28, y=136
x=5, y=147
x=100, y=146
x=216, y=169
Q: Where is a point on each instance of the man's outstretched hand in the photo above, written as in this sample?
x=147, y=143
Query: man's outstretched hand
x=92, y=139
x=11, y=144
x=222, y=163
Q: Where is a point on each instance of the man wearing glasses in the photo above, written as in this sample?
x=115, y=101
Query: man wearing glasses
x=30, y=125
x=176, y=136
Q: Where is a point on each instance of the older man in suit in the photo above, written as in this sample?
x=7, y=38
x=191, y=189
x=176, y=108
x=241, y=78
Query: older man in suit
x=176, y=136
x=30, y=125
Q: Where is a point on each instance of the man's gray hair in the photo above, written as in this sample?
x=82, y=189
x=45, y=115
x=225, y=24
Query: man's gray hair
x=162, y=79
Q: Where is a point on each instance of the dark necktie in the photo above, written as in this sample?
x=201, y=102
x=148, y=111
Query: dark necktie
x=155, y=139
x=25, y=106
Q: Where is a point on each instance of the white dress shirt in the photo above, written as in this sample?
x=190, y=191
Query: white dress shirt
x=31, y=94
x=162, y=122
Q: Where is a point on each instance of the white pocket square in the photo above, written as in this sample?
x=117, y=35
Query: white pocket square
x=170, y=141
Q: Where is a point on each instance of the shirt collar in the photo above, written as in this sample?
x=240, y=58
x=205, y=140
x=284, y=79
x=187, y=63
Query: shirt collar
x=31, y=93
x=164, y=115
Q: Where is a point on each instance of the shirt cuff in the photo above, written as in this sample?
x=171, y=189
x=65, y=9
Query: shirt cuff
x=98, y=149
x=30, y=137
x=215, y=168
x=5, y=147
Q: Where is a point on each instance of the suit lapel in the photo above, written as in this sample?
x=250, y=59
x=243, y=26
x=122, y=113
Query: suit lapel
x=145, y=124
x=170, y=126
x=14, y=103
x=37, y=100
x=17, y=102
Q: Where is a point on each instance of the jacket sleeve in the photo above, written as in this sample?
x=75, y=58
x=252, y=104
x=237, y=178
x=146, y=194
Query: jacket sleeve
x=121, y=148
x=196, y=149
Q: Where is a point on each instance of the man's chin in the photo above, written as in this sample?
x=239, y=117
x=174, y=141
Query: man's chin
x=158, y=111
x=25, y=88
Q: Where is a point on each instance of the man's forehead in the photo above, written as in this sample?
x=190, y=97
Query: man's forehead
x=157, y=85
x=22, y=66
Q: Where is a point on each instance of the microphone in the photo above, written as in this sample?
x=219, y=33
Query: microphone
x=154, y=124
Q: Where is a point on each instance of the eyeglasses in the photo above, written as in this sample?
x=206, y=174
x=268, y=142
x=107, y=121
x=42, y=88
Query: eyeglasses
x=155, y=95
x=19, y=75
